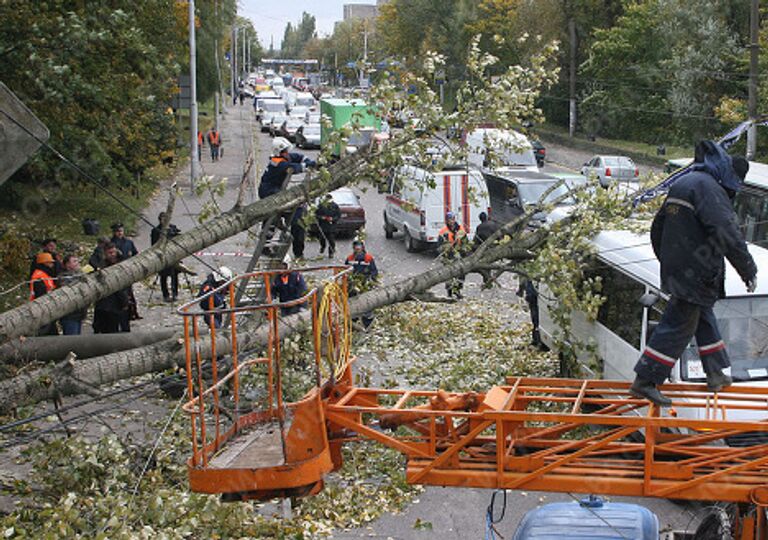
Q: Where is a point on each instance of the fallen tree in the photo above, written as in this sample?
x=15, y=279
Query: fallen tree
x=27, y=318
x=71, y=377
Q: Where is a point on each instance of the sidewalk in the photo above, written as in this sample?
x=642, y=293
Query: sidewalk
x=237, y=127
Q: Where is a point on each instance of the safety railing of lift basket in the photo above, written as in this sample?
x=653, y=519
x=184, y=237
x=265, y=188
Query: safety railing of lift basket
x=204, y=406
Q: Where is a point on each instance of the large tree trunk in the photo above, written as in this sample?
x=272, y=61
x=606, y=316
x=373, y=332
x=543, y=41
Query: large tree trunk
x=47, y=383
x=27, y=318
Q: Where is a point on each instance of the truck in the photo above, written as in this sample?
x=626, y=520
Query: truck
x=345, y=112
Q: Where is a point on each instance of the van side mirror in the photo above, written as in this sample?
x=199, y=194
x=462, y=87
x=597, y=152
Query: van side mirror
x=649, y=299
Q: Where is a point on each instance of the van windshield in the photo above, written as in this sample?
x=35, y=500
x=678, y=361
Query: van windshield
x=511, y=158
x=274, y=105
x=743, y=323
x=531, y=192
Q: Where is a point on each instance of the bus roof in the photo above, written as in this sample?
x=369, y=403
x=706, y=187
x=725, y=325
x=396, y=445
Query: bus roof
x=757, y=175
x=632, y=253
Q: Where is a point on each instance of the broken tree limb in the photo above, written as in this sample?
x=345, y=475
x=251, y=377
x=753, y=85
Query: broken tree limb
x=54, y=348
x=27, y=318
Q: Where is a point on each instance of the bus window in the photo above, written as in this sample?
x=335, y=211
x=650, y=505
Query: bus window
x=621, y=312
x=751, y=207
x=743, y=323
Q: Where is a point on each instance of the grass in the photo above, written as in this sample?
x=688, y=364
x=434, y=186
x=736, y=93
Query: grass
x=636, y=150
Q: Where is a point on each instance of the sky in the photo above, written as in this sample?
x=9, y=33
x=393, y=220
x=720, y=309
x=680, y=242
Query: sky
x=269, y=17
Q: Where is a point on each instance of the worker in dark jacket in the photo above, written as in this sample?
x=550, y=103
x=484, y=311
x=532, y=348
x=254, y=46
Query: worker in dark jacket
x=287, y=287
x=328, y=215
x=691, y=234
x=485, y=230
x=112, y=313
x=127, y=249
x=214, y=300
x=280, y=163
x=169, y=272
x=298, y=231
x=364, y=274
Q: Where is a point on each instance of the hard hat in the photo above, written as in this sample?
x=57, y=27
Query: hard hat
x=43, y=257
x=223, y=274
x=450, y=215
x=358, y=242
x=279, y=145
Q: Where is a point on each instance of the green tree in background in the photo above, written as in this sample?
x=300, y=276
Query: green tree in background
x=294, y=39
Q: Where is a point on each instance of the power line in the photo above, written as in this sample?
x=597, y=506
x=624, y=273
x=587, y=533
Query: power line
x=98, y=184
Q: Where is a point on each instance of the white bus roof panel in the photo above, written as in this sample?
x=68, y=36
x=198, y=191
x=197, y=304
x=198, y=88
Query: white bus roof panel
x=632, y=253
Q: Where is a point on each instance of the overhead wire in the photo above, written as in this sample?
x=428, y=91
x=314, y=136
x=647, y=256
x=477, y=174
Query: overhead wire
x=96, y=183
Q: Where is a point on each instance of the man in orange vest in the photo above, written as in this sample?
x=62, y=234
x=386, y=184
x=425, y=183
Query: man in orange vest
x=453, y=240
x=41, y=283
x=199, y=146
x=214, y=141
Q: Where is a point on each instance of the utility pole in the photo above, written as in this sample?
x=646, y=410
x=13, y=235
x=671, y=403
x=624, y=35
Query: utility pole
x=572, y=77
x=234, y=62
x=194, y=164
x=243, y=66
x=365, y=53
x=754, y=46
x=217, y=95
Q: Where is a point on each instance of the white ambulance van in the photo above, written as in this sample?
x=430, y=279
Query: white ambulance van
x=419, y=199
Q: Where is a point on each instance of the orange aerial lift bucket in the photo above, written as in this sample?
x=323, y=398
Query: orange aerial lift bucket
x=262, y=447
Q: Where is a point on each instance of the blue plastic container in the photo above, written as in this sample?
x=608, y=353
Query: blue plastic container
x=591, y=519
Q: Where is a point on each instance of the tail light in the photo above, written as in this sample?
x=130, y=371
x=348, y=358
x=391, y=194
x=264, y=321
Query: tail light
x=607, y=171
x=637, y=171
x=422, y=218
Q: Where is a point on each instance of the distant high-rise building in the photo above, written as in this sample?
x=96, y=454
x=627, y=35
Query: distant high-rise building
x=360, y=11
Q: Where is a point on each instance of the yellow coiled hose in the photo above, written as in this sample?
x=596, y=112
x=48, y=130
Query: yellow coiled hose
x=335, y=327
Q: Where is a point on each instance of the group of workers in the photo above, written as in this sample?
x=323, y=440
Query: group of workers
x=50, y=270
x=213, y=137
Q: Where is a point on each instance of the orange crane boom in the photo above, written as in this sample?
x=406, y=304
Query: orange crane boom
x=546, y=434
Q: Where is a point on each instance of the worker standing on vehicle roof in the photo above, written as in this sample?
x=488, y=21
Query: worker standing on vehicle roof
x=280, y=163
x=454, y=244
x=691, y=234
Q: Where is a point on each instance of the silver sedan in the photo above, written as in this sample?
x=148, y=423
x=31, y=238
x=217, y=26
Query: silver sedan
x=610, y=169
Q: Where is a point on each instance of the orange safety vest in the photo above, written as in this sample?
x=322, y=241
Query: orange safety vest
x=200, y=138
x=48, y=281
x=213, y=137
x=449, y=234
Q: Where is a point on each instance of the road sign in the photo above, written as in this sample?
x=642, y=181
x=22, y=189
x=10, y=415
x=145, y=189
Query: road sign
x=21, y=133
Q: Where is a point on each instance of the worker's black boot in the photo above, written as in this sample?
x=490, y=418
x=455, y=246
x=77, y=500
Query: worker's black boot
x=646, y=389
x=717, y=380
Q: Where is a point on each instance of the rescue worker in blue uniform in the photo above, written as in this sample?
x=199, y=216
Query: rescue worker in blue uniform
x=691, y=234
x=280, y=163
x=364, y=274
x=216, y=300
x=288, y=287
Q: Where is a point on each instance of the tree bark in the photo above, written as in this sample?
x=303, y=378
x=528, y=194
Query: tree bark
x=27, y=318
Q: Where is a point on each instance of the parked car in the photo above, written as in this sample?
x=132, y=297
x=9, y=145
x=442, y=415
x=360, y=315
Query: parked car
x=289, y=127
x=609, y=169
x=352, y=213
x=539, y=151
x=312, y=117
x=418, y=200
x=299, y=111
x=308, y=136
x=276, y=123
